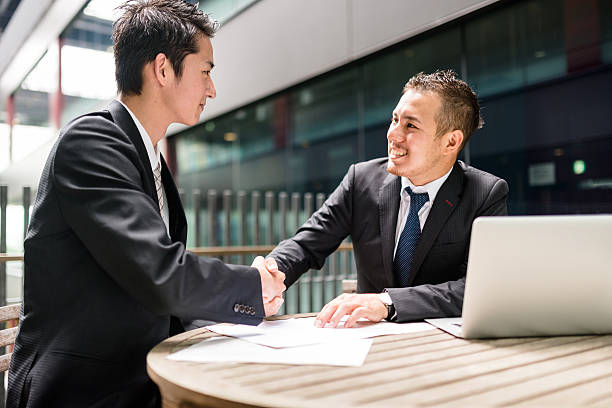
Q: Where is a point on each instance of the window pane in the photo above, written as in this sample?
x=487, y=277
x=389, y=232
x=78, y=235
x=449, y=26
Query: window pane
x=223, y=10
x=544, y=40
x=325, y=108
x=384, y=77
x=605, y=26
x=493, y=52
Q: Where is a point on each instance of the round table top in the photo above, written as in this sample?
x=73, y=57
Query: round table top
x=247, y=384
x=427, y=368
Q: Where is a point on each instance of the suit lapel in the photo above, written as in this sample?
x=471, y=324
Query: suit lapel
x=178, y=222
x=122, y=118
x=445, y=203
x=388, y=207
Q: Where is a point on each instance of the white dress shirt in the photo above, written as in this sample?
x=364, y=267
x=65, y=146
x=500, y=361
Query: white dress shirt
x=430, y=188
x=154, y=159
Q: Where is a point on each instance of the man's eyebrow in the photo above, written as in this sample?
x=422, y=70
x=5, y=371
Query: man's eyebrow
x=411, y=118
x=212, y=64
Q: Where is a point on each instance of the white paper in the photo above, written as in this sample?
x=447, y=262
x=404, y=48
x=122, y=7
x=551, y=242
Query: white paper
x=301, y=331
x=227, y=349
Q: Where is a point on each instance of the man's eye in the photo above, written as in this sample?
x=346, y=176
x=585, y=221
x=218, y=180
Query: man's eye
x=207, y=73
x=410, y=125
x=394, y=120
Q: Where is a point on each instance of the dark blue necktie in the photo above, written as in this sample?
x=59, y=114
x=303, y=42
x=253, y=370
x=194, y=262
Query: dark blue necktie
x=409, y=238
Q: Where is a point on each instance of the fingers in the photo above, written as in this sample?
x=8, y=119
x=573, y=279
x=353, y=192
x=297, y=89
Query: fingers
x=272, y=307
x=271, y=265
x=342, y=310
x=357, y=314
x=258, y=262
x=357, y=306
x=268, y=263
x=272, y=284
x=325, y=315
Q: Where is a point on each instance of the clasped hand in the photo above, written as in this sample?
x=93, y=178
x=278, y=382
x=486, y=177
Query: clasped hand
x=272, y=284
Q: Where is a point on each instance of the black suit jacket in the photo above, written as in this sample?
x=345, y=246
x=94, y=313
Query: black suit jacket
x=102, y=276
x=365, y=206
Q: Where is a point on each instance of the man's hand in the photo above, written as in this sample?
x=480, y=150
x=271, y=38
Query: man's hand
x=272, y=284
x=367, y=305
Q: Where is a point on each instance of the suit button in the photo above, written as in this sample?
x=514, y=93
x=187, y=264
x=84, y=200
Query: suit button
x=236, y=307
x=252, y=311
x=241, y=308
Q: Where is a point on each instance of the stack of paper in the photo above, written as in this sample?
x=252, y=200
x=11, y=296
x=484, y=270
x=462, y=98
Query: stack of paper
x=292, y=341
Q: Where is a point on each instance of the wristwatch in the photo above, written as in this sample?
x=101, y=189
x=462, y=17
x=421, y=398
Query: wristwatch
x=386, y=299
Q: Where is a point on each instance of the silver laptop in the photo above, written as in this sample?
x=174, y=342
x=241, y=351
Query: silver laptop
x=537, y=276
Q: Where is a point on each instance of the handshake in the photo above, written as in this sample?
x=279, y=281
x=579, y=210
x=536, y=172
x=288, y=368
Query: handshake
x=272, y=284
x=355, y=306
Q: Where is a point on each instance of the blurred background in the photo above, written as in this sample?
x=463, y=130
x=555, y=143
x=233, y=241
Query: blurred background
x=305, y=88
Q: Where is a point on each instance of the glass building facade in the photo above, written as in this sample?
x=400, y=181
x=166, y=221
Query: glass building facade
x=543, y=73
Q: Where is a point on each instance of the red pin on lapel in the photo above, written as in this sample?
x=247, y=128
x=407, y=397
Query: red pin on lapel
x=449, y=203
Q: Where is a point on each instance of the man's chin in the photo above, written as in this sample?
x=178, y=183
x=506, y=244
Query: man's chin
x=392, y=168
x=191, y=122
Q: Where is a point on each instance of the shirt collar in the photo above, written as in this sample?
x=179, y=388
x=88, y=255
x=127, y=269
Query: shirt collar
x=430, y=188
x=152, y=151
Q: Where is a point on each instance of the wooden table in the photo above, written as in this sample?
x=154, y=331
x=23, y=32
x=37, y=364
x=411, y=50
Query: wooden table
x=428, y=368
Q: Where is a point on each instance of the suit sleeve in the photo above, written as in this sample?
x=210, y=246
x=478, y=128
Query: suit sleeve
x=99, y=188
x=319, y=236
x=445, y=299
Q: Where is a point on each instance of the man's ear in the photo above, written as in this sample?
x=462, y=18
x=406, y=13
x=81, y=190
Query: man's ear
x=454, y=140
x=162, y=69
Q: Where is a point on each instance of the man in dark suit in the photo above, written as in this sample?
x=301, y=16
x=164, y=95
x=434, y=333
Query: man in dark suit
x=106, y=270
x=409, y=215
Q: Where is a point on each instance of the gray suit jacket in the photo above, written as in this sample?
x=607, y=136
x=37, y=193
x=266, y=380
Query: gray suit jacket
x=102, y=276
x=365, y=206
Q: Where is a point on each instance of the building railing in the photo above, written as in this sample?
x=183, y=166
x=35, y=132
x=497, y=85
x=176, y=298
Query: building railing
x=235, y=227
x=11, y=257
x=313, y=290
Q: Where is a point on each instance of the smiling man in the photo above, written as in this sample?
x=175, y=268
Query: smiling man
x=107, y=276
x=409, y=215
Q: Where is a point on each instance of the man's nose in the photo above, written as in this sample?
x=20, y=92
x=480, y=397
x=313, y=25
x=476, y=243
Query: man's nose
x=211, y=92
x=393, y=135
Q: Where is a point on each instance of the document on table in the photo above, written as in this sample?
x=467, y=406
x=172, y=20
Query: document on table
x=292, y=341
x=302, y=331
x=228, y=349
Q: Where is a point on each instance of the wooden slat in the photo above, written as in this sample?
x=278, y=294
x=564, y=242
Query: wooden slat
x=207, y=251
x=394, y=382
x=7, y=336
x=470, y=381
x=9, y=312
x=587, y=389
x=410, y=357
x=349, y=285
x=421, y=369
x=272, y=383
x=583, y=394
x=247, y=250
x=10, y=257
x=542, y=379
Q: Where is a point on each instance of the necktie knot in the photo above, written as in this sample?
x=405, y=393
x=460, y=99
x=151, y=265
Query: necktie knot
x=417, y=200
x=157, y=171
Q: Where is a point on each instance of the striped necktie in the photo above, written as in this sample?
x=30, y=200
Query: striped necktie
x=158, y=187
x=409, y=238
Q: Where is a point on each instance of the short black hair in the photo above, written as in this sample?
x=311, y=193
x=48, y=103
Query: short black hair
x=460, y=108
x=149, y=27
